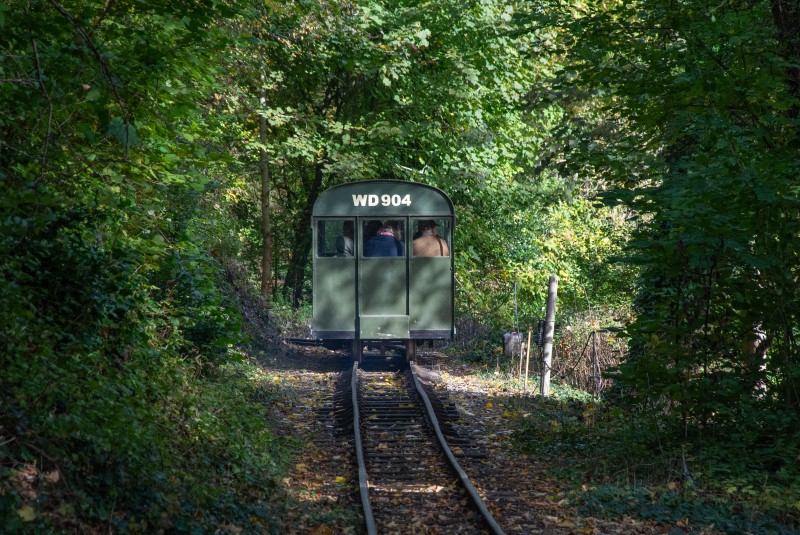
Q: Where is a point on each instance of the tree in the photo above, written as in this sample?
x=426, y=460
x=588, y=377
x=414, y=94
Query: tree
x=346, y=98
x=695, y=132
x=115, y=333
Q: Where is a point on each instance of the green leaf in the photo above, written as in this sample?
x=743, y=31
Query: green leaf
x=123, y=132
x=93, y=94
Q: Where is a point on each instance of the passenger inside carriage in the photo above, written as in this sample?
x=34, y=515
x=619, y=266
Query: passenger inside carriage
x=397, y=228
x=371, y=229
x=428, y=243
x=387, y=242
x=344, y=243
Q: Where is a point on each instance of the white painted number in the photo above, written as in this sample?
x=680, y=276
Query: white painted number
x=383, y=200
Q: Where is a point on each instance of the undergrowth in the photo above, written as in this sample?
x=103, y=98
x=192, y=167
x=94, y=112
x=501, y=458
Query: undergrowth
x=290, y=321
x=131, y=414
x=622, y=462
x=740, y=475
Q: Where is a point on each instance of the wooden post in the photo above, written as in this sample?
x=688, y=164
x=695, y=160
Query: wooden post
x=595, y=364
x=527, y=360
x=549, y=326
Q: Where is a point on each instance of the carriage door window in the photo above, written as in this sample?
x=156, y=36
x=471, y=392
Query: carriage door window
x=384, y=237
x=335, y=238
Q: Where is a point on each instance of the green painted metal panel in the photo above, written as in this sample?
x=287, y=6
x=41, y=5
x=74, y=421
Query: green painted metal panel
x=430, y=294
x=334, y=294
x=383, y=303
x=384, y=327
x=382, y=286
x=380, y=298
x=382, y=197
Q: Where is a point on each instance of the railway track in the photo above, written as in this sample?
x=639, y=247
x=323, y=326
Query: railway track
x=410, y=480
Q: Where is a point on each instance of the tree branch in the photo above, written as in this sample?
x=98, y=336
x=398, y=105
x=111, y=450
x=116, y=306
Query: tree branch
x=103, y=65
x=49, y=106
x=103, y=13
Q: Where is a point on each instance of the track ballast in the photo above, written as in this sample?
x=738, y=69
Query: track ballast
x=410, y=481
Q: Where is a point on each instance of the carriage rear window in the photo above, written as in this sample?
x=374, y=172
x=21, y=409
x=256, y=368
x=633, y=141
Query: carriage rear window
x=335, y=238
x=432, y=237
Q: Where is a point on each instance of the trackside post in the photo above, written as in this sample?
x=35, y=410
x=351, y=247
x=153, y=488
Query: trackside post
x=549, y=326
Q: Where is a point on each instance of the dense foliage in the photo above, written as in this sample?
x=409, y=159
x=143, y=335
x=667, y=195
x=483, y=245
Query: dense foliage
x=122, y=400
x=645, y=152
x=699, y=139
x=689, y=113
x=438, y=93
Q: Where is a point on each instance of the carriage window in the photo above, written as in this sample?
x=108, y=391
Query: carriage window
x=335, y=238
x=432, y=237
x=384, y=237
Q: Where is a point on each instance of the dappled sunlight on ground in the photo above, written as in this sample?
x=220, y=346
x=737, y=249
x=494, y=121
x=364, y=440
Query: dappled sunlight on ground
x=322, y=484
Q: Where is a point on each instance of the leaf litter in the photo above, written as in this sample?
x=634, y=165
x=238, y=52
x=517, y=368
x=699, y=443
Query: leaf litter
x=322, y=487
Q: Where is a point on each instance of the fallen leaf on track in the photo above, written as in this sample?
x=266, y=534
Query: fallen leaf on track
x=26, y=513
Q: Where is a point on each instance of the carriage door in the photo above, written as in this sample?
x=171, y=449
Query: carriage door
x=383, y=283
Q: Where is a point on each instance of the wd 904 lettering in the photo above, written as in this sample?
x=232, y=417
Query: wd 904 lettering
x=383, y=200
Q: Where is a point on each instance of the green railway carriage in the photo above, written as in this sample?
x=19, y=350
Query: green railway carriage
x=372, y=280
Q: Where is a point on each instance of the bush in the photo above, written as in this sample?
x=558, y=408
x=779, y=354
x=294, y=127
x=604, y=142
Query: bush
x=738, y=481
x=122, y=400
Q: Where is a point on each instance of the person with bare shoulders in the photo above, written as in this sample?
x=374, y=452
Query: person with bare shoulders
x=429, y=243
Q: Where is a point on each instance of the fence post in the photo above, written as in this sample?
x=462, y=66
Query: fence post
x=527, y=359
x=595, y=364
x=549, y=326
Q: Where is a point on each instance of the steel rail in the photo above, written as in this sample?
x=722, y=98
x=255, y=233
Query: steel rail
x=363, y=482
x=471, y=491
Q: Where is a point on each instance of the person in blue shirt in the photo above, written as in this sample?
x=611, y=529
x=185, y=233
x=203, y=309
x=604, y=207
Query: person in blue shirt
x=386, y=242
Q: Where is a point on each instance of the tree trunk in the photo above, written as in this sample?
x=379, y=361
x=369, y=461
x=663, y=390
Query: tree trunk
x=296, y=272
x=786, y=15
x=266, y=227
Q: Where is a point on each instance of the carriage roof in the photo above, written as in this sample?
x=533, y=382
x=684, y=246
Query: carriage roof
x=383, y=197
